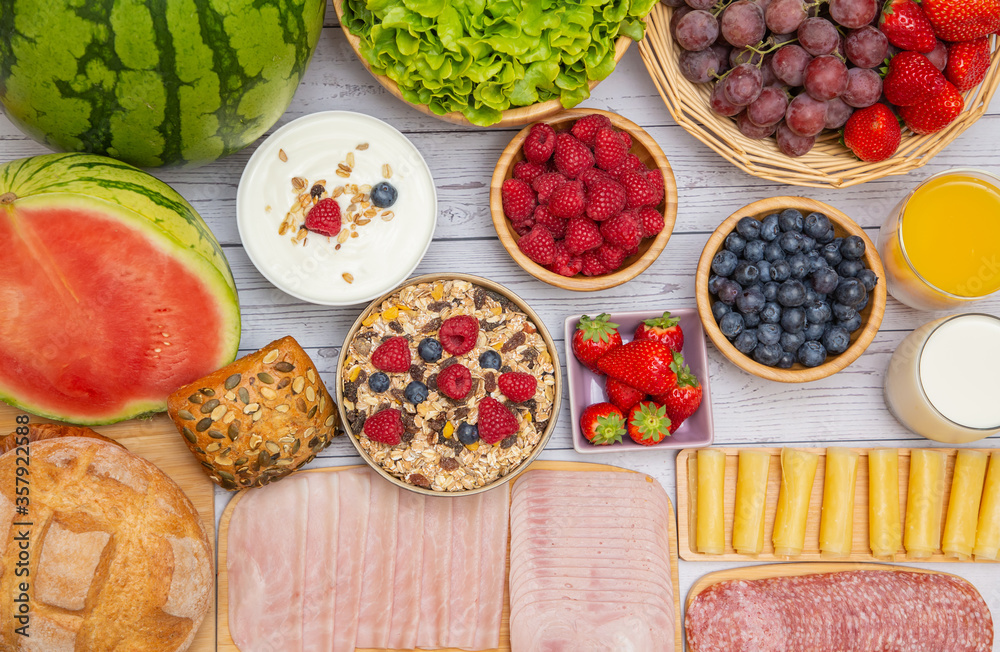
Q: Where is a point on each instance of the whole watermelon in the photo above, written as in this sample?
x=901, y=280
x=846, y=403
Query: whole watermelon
x=154, y=82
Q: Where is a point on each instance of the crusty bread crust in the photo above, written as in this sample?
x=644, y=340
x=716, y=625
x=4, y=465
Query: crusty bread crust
x=40, y=431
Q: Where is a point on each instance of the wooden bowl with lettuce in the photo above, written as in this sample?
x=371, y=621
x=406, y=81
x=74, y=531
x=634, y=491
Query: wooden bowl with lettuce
x=488, y=63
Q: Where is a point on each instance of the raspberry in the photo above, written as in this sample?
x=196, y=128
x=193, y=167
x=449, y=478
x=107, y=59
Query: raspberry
x=586, y=127
x=568, y=200
x=555, y=225
x=455, y=382
x=605, y=199
x=393, y=355
x=565, y=264
x=385, y=426
x=540, y=142
x=458, y=334
x=631, y=162
x=594, y=175
x=527, y=171
x=572, y=157
x=517, y=386
x=638, y=192
x=655, y=179
x=650, y=221
x=582, y=235
x=609, y=149
x=522, y=229
x=538, y=245
x=622, y=230
x=495, y=421
x=592, y=265
x=544, y=185
x=626, y=138
x=324, y=217
x=611, y=256
x=518, y=199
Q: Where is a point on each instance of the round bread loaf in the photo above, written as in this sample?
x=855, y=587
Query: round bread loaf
x=116, y=555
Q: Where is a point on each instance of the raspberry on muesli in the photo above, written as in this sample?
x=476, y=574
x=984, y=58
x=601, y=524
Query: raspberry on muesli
x=446, y=444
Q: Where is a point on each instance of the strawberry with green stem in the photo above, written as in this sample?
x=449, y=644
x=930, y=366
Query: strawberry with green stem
x=602, y=424
x=648, y=423
x=664, y=329
x=594, y=337
x=684, y=398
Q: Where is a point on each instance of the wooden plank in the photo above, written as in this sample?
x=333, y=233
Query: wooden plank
x=158, y=441
x=687, y=495
x=226, y=643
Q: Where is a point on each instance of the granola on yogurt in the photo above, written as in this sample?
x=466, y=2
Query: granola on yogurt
x=430, y=453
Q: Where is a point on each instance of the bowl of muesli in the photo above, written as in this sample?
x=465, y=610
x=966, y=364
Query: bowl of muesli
x=449, y=385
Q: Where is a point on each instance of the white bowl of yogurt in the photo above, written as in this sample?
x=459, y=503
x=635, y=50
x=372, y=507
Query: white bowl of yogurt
x=340, y=155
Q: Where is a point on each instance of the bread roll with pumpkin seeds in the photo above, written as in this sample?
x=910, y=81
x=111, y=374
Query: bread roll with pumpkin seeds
x=257, y=419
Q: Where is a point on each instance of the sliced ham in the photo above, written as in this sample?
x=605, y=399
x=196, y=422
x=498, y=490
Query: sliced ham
x=465, y=549
x=378, y=578
x=355, y=487
x=492, y=564
x=435, y=584
x=407, y=581
x=321, y=547
x=563, y=626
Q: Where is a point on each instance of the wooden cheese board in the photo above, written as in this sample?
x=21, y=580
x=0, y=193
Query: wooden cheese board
x=687, y=500
x=156, y=439
x=225, y=639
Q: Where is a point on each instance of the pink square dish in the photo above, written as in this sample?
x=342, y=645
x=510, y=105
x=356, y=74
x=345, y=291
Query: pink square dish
x=587, y=388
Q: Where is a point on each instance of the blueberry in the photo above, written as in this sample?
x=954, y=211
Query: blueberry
x=764, y=268
x=842, y=312
x=792, y=293
x=799, y=265
x=808, y=244
x=724, y=263
x=429, y=349
x=868, y=278
x=850, y=268
x=750, y=301
x=720, y=310
x=773, y=252
x=754, y=251
x=827, y=237
x=728, y=291
x=793, y=320
x=831, y=254
x=746, y=341
x=770, y=313
x=731, y=324
x=864, y=302
x=490, y=359
x=749, y=228
x=751, y=320
x=811, y=354
x=816, y=261
x=812, y=296
x=767, y=354
x=746, y=274
x=781, y=270
x=825, y=280
x=836, y=339
x=852, y=324
x=415, y=392
x=467, y=434
x=768, y=333
x=852, y=247
x=816, y=225
x=383, y=195
x=790, y=220
x=786, y=360
x=378, y=382
x=735, y=243
x=850, y=292
x=713, y=283
x=790, y=241
x=769, y=228
x=818, y=312
x=814, y=331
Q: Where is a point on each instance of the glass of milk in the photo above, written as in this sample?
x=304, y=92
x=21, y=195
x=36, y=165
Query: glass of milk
x=943, y=381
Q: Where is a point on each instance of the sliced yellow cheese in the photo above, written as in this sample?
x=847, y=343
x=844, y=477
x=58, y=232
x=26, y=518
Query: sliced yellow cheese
x=836, y=526
x=798, y=471
x=963, y=505
x=751, y=502
x=988, y=529
x=924, y=503
x=710, y=529
x=885, y=528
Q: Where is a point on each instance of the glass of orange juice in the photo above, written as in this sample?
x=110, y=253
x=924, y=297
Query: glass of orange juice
x=941, y=244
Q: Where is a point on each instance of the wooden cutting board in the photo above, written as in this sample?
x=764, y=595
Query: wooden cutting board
x=157, y=440
x=226, y=643
x=687, y=495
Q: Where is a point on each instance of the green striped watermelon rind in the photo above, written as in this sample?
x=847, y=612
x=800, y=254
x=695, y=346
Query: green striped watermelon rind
x=143, y=202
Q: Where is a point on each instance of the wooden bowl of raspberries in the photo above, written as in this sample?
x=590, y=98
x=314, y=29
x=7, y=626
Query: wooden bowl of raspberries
x=583, y=201
x=824, y=273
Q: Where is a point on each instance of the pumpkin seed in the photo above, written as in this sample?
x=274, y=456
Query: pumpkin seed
x=196, y=398
x=244, y=395
x=287, y=439
x=184, y=414
x=204, y=424
x=329, y=421
x=214, y=446
x=219, y=412
x=284, y=382
x=312, y=412
x=268, y=393
x=311, y=375
x=223, y=460
x=227, y=476
x=296, y=446
x=209, y=406
x=208, y=466
x=251, y=408
x=308, y=433
x=207, y=391
x=281, y=408
x=310, y=394
x=234, y=430
x=263, y=459
x=271, y=356
x=233, y=381
x=257, y=415
x=322, y=402
x=266, y=378
x=283, y=462
x=310, y=458
x=284, y=367
x=230, y=395
x=298, y=384
x=272, y=447
x=190, y=436
x=229, y=418
x=240, y=462
x=215, y=434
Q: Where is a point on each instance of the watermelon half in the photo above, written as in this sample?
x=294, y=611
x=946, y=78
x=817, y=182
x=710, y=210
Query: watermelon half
x=171, y=82
x=113, y=291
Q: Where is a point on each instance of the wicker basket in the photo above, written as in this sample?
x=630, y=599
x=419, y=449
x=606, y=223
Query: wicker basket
x=829, y=164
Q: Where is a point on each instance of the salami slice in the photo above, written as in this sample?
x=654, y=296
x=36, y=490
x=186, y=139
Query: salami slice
x=861, y=611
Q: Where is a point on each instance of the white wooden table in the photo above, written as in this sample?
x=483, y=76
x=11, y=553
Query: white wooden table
x=845, y=409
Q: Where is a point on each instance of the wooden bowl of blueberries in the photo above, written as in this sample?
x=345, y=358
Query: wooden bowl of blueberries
x=790, y=289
